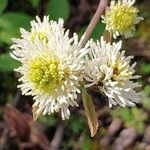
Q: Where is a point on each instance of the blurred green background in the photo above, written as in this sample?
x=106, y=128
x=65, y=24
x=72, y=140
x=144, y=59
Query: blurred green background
x=120, y=128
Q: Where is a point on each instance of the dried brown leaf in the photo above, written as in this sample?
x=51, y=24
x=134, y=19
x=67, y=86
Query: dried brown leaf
x=29, y=132
x=17, y=122
x=90, y=112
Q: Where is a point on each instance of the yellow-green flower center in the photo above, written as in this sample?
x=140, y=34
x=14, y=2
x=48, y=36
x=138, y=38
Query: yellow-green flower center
x=121, y=18
x=41, y=36
x=46, y=74
x=121, y=71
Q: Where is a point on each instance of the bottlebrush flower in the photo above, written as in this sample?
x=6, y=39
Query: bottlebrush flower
x=107, y=68
x=121, y=18
x=50, y=72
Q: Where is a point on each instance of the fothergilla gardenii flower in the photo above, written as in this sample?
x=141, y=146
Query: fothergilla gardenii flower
x=51, y=66
x=39, y=30
x=121, y=17
x=109, y=69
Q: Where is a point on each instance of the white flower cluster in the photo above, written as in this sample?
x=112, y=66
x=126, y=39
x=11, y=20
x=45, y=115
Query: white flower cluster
x=54, y=66
x=107, y=67
x=121, y=17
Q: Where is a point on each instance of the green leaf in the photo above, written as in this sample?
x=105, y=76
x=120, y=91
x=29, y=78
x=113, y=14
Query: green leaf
x=81, y=32
x=7, y=64
x=10, y=24
x=131, y=118
x=3, y=5
x=58, y=9
x=90, y=112
x=123, y=113
x=34, y=3
x=50, y=121
x=17, y=19
x=146, y=97
x=147, y=90
x=76, y=124
x=6, y=35
x=98, y=31
x=86, y=143
x=145, y=68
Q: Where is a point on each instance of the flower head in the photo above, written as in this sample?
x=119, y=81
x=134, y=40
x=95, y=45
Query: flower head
x=50, y=72
x=109, y=69
x=39, y=30
x=121, y=18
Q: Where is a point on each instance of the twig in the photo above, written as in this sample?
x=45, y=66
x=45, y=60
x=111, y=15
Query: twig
x=3, y=139
x=101, y=7
x=80, y=141
x=42, y=8
x=56, y=142
x=16, y=99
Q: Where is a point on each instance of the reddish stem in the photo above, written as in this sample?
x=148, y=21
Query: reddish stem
x=100, y=9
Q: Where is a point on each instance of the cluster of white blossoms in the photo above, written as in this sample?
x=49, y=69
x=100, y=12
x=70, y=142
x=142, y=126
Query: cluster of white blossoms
x=109, y=69
x=52, y=66
x=55, y=67
x=121, y=17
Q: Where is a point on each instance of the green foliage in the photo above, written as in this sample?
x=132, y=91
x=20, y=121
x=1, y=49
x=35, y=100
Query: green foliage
x=34, y=3
x=138, y=123
x=48, y=120
x=144, y=68
x=76, y=124
x=86, y=143
x=147, y=90
x=7, y=64
x=10, y=23
x=58, y=9
x=97, y=33
x=131, y=118
x=3, y=5
x=146, y=97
